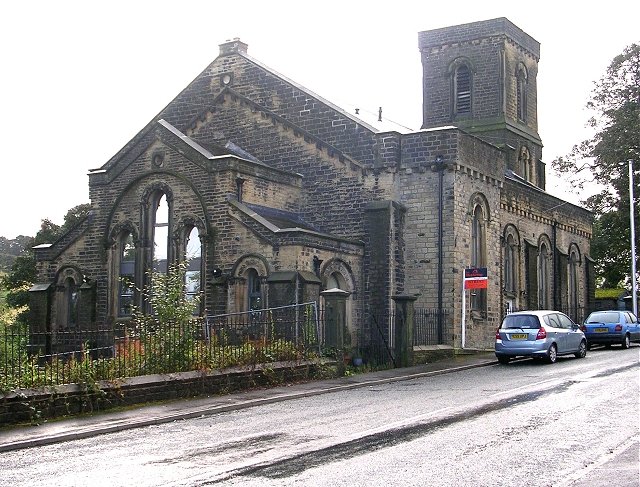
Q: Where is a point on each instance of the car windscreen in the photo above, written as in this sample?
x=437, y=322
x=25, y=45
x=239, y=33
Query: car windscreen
x=603, y=317
x=521, y=321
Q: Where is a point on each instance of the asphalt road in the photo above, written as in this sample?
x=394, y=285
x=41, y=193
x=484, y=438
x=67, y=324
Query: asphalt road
x=572, y=423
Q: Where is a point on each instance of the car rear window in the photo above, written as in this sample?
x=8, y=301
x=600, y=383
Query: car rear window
x=604, y=317
x=521, y=321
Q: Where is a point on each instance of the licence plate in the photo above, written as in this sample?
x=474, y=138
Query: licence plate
x=601, y=330
x=519, y=336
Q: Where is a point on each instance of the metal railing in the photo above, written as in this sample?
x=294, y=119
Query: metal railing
x=29, y=359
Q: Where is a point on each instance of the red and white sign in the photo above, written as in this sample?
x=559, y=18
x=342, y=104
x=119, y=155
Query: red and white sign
x=475, y=278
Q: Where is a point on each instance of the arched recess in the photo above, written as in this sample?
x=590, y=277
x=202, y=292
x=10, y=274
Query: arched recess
x=525, y=164
x=68, y=281
x=125, y=269
x=248, y=287
x=511, y=266
x=544, y=266
x=336, y=273
x=573, y=290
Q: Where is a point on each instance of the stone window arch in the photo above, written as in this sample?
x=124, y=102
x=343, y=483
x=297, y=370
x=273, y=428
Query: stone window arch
x=545, y=259
x=521, y=92
x=461, y=73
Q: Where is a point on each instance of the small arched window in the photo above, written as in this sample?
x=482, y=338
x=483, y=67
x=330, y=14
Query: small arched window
x=71, y=300
x=254, y=290
x=462, y=89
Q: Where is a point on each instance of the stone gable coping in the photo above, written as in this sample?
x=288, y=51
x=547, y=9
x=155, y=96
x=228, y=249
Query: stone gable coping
x=284, y=232
x=214, y=163
x=299, y=132
x=309, y=92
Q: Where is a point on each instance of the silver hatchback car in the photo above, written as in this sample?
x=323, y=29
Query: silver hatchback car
x=539, y=334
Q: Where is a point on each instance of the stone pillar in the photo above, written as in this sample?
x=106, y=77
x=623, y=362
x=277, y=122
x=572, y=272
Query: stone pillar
x=335, y=322
x=404, y=330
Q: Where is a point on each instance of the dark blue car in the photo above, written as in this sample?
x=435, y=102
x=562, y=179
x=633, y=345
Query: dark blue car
x=611, y=328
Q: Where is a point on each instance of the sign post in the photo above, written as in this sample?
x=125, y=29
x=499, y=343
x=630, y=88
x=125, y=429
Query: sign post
x=472, y=278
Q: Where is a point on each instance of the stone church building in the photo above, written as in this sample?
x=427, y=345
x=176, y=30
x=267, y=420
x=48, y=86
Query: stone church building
x=273, y=194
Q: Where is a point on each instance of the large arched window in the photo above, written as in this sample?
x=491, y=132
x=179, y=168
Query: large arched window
x=126, y=273
x=193, y=257
x=544, y=262
x=161, y=235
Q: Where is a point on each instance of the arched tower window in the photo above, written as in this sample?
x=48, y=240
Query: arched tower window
x=462, y=89
x=521, y=93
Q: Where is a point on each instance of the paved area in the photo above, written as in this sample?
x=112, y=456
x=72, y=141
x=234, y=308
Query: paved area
x=622, y=465
x=20, y=437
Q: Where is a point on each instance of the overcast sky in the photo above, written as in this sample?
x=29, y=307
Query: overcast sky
x=79, y=80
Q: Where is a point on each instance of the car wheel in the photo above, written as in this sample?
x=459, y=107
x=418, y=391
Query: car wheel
x=503, y=360
x=626, y=342
x=552, y=354
x=582, y=350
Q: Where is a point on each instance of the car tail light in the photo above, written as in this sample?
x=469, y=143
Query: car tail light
x=618, y=327
x=498, y=337
x=583, y=328
x=542, y=334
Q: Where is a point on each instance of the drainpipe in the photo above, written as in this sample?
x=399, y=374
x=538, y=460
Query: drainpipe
x=440, y=166
x=556, y=291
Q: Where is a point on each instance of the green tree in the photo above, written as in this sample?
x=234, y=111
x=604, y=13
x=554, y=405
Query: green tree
x=603, y=158
x=23, y=272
